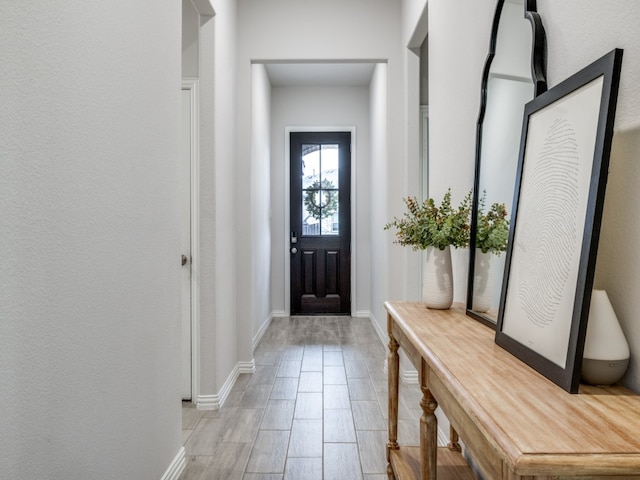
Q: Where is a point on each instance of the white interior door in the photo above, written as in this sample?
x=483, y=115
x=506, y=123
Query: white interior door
x=185, y=179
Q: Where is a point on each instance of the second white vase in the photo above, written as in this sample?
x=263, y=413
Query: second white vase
x=482, y=291
x=606, y=350
x=437, y=279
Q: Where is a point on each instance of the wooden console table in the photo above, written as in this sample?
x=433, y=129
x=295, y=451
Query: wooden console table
x=515, y=423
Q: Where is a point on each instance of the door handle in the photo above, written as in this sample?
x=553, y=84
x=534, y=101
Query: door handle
x=294, y=250
x=184, y=260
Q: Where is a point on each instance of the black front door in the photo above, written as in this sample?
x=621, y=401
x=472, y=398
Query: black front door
x=320, y=237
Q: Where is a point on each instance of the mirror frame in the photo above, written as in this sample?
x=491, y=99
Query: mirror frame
x=539, y=78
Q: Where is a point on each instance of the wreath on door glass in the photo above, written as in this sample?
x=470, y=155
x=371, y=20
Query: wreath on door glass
x=324, y=190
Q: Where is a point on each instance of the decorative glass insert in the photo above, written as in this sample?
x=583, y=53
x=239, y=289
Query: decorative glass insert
x=310, y=165
x=320, y=192
x=330, y=225
x=330, y=159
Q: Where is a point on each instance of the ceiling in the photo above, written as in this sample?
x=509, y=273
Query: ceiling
x=319, y=74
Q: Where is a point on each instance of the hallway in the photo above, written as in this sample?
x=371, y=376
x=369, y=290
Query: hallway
x=315, y=408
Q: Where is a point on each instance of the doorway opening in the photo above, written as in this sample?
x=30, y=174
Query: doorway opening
x=190, y=234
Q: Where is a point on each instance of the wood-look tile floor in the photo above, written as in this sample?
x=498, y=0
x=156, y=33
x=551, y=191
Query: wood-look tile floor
x=316, y=408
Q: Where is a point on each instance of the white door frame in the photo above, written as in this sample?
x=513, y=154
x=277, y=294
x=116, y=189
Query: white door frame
x=287, y=210
x=191, y=84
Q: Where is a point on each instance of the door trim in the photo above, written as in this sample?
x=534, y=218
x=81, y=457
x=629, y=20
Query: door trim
x=287, y=210
x=192, y=85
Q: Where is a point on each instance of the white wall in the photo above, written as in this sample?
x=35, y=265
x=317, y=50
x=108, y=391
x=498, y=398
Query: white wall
x=320, y=107
x=413, y=148
x=258, y=179
x=90, y=239
x=218, y=329
x=414, y=22
x=379, y=197
x=190, y=53
x=225, y=189
x=579, y=32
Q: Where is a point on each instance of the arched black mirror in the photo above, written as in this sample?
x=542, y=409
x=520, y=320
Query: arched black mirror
x=514, y=73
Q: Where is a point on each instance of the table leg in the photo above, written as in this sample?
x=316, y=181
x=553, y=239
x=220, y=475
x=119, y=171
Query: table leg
x=428, y=429
x=453, y=440
x=393, y=365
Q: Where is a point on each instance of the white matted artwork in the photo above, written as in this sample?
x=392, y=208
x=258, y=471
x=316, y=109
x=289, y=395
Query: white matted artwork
x=553, y=198
x=557, y=210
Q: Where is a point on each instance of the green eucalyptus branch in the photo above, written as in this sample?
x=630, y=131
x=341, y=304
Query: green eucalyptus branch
x=425, y=224
x=492, y=233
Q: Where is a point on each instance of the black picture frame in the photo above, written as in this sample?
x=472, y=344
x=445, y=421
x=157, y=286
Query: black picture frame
x=557, y=211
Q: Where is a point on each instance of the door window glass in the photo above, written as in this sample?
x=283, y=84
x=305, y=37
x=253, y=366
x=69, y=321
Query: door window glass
x=320, y=192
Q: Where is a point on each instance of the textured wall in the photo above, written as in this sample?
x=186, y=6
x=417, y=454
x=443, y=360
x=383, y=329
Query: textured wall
x=379, y=199
x=259, y=181
x=89, y=237
x=218, y=347
x=578, y=33
x=224, y=164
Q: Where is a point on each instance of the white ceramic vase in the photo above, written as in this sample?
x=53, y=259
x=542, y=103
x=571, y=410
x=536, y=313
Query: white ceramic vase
x=606, y=351
x=482, y=289
x=437, y=279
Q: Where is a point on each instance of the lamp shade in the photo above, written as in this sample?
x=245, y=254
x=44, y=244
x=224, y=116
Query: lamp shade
x=606, y=351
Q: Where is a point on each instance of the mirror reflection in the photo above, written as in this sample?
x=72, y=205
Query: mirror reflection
x=508, y=84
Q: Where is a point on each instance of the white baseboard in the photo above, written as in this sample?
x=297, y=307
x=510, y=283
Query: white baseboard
x=214, y=402
x=443, y=440
x=260, y=333
x=361, y=314
x=384, y=338
x=208, y=402
x=409, y=376
x=246, y=367
x=279, y=313
x=228, y=385
x=176, y=467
